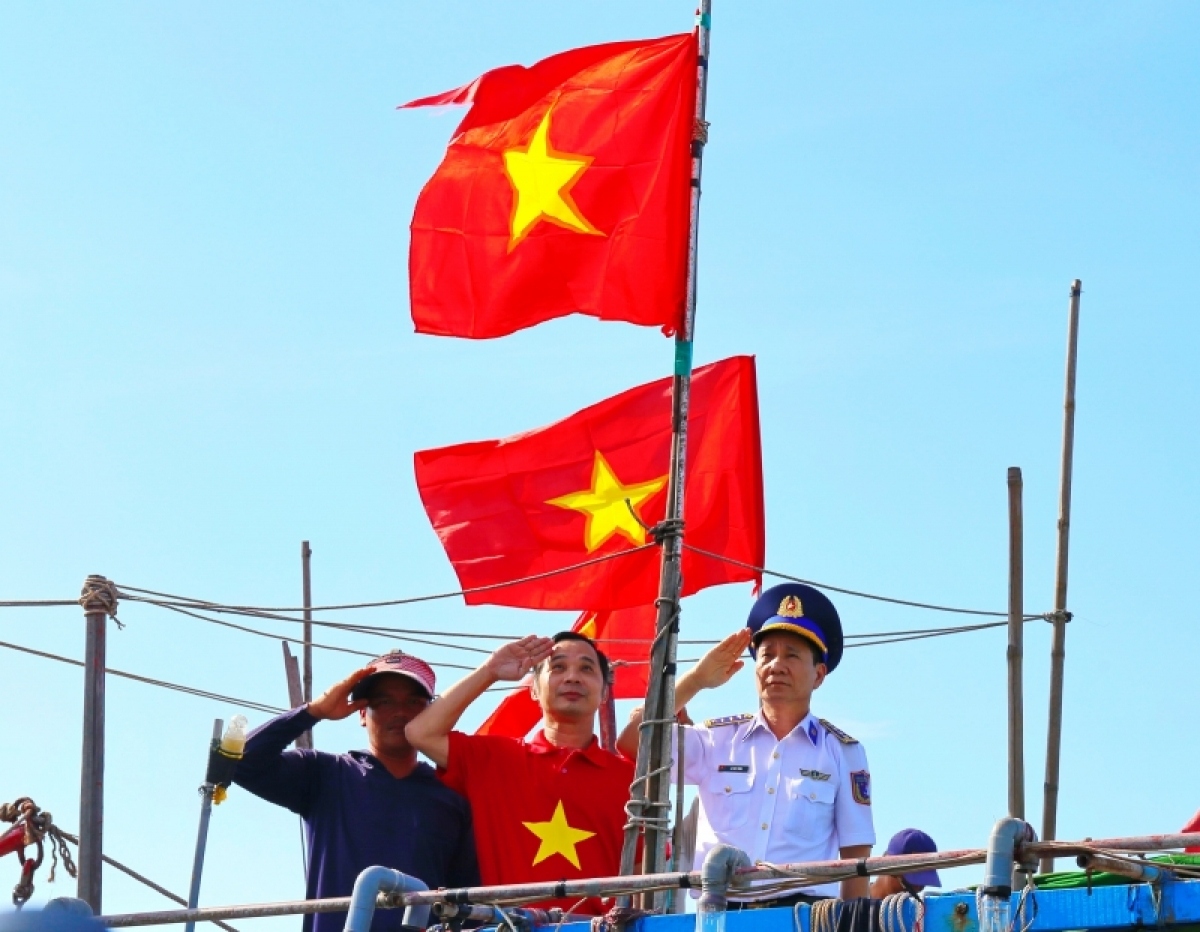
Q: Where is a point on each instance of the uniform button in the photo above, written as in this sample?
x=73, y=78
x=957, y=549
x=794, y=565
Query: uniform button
x=812, y=795
x=776, y=755
x=728, y=790
x=764, y=825
x=770, y=791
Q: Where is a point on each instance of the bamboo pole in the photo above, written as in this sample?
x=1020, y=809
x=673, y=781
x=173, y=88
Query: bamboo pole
x=649, y=805
x=1016, y=649
x=1058, y=649
x=1134, y=871
x=609, y=886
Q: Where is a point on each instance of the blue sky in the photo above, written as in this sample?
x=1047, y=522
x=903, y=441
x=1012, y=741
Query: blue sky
x=206, y=357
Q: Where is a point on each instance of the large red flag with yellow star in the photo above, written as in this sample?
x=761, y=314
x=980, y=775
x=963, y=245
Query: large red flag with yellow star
x=589, y=485
x=625, y=637
x=565, y=190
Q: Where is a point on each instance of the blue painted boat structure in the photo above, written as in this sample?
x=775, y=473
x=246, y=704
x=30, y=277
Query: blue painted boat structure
x=1171, y=904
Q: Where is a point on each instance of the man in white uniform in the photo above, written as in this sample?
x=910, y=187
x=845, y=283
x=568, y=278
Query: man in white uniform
x=781, y=784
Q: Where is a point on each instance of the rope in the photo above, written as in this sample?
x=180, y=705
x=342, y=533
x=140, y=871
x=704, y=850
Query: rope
x=854, y=592
x=202, y=693
x=100, y=595
x=891, y=913
x=619, y=917
x=824, y=915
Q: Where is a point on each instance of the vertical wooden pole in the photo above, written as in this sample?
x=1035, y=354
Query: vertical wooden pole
x=99, y=601
x=1058, y=648
x=306, y=569
x=608, y=717
x=291, y=670
x=1016, y=645
x=650, y=797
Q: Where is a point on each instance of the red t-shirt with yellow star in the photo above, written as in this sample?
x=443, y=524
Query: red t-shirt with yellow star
x=542, y=812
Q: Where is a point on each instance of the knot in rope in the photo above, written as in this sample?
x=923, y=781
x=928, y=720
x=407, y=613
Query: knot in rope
x=700, y=132
x=617, y=918
x=667, y=529
x=1064, y=616
x=100, y=595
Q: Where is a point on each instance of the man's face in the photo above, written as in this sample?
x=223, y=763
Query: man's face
x=395, y=701
x=785, y=670
x=569, y=685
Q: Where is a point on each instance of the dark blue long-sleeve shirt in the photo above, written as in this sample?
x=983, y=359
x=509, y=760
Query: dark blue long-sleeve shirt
x=357, y=815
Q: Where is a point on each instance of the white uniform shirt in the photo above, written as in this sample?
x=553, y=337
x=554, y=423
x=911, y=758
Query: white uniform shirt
x=784, y=801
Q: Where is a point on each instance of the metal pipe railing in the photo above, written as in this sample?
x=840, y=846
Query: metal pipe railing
x=825, y=871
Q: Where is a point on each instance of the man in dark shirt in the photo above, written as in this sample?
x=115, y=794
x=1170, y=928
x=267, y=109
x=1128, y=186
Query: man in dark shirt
x=363, y=808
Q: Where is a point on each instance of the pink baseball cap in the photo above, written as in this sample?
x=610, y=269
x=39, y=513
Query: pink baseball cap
x=404, y=664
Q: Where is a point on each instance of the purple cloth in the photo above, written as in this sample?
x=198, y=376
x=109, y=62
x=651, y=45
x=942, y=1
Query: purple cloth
x=357, y=815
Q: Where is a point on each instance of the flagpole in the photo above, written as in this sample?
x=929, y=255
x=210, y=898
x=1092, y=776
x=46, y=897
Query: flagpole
x=1058, y=649
x=649, y=806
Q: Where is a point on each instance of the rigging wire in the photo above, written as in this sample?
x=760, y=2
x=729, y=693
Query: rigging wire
x=313, y=643
x=37, y=603
x=202, y=693
x=854, y=592
x=490, y=587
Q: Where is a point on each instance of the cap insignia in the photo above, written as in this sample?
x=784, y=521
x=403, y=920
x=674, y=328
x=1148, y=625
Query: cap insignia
x=791, y=607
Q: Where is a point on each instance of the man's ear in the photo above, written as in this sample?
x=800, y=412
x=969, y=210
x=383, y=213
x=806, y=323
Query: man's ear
x=533, y=691
x=822, y=671
x=362, y=717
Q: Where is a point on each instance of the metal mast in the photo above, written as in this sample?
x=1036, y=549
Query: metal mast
x=649, y=806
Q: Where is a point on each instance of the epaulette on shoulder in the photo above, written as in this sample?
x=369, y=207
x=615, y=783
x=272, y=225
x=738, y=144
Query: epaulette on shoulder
x=837, y=732
x=728, y=720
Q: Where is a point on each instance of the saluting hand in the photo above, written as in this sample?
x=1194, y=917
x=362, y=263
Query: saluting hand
x=334, y=704
x=514, y=660
x=718, y=666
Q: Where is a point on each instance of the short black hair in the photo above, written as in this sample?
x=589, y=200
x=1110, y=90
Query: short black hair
x=576, y=636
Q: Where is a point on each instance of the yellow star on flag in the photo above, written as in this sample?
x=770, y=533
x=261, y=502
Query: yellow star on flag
x=542, y=180
x=605, y=508
x=557, y=837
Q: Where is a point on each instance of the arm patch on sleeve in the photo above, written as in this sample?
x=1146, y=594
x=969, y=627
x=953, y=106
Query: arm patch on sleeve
x=860, y=785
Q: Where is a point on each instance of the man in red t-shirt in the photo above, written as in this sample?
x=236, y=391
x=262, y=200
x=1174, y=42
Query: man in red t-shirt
x=550, y=808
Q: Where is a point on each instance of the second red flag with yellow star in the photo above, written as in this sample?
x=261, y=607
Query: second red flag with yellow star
x=588, y=487
x=564, y=190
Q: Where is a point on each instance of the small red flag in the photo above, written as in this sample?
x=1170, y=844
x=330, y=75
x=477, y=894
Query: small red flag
x=565, y=190
x=625, y=637
x=585, y=487
x=1192, y=826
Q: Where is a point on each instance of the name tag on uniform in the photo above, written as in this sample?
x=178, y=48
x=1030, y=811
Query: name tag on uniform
x=734, y=768
x=813, y=774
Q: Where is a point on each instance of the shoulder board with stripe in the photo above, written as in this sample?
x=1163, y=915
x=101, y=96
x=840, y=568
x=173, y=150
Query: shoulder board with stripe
x=728, y=720
x=837, y=732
